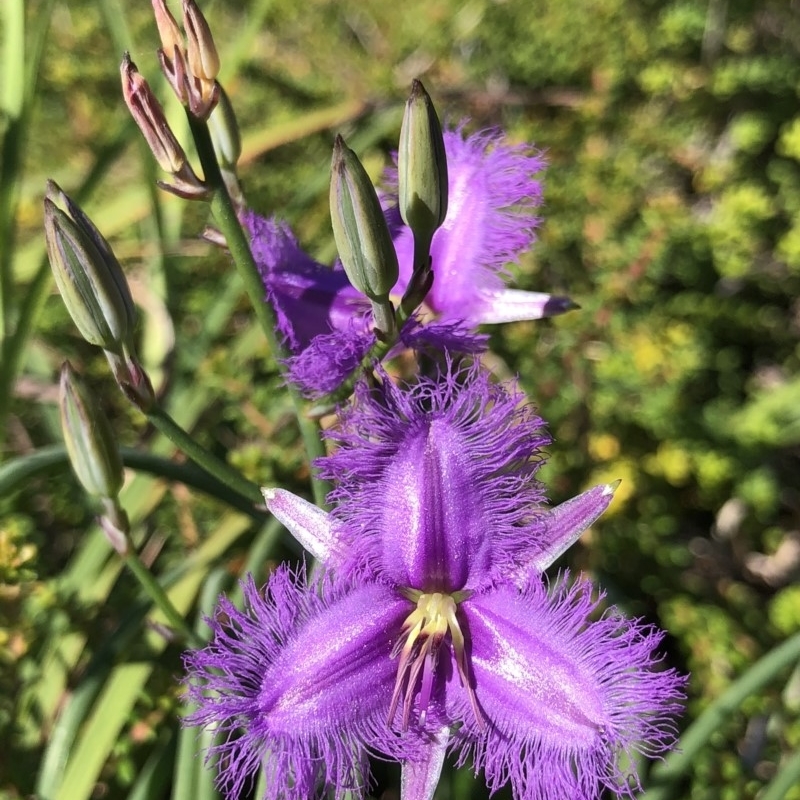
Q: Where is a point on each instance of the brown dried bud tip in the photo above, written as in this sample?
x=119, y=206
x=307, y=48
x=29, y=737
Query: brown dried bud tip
x=149, y=115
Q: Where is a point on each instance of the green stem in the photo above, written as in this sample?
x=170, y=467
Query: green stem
x=13, y=347
x=210, y=463
x=422, y=252
x=226, y=218
x=157, y=594
x=53, y=459
x=20, y=71
x=13, y=106
x=665, y=776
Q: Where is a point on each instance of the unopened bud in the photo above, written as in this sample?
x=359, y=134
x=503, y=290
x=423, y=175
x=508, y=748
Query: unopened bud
x=90, y=442
x=225, y=132
x=149, y=116
x=421, y=166
x=201, y=51
x=168, y=29
x=359, y=227
x=88, y=275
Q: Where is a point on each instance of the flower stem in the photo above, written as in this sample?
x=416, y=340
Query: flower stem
x=53, y=459
x=210, y=463
x=226, y=218
x=422, y=252
x=153, y=589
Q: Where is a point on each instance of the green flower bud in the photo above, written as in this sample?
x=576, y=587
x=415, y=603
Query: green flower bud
x=88, y=275
x=225, y=132
x=90, y=441
x=359, y=227
x=421, y=166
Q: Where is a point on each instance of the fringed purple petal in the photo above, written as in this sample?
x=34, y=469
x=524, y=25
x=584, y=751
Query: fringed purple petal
x=329, y=359
x=309, y=299
x=447, y=336
x=565, y=523
x=564, y=693
x=299, y=684
x=435, y=481
x=491, y=220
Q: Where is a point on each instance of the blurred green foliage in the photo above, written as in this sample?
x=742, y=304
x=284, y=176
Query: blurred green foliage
x=672, y=132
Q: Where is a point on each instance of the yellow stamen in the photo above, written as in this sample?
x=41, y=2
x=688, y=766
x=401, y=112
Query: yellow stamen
x=424, y=630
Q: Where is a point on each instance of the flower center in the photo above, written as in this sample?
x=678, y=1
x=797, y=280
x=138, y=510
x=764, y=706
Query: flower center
x=424, y=631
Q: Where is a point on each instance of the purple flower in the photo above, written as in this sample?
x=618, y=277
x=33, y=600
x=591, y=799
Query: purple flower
x=491, y=221
x=432, y=629
x=309, y=299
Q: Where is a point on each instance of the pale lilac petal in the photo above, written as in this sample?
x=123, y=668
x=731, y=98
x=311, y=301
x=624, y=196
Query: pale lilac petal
x=491, y=220
x=420, y=777
x=563, y=693
x=435, y=481
x=284, y=682
x=315, y=529
x=565, y=524
x=514, y=305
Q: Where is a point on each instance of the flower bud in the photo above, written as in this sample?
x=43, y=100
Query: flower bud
x=201, y=51
x=359, y=227
x=421, y=166
x=88, y=437
x=168, y=30
x=225, y=132
x=149, y=116
x=88, y=275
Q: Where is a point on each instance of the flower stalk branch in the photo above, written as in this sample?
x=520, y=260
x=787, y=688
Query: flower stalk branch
x=156, y=593
x=202, y=457
x=227, y=219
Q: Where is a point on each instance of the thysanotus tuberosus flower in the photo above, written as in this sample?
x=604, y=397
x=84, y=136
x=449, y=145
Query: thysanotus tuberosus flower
x=491, y=220
x=324, y=320
x=493, y=197
x=432, y=629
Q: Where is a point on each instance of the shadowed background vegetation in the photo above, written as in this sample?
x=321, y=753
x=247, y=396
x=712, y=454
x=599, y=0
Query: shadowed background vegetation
x=672, y=133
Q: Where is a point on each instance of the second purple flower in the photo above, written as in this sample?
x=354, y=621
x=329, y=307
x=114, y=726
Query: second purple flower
x=494, y=193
